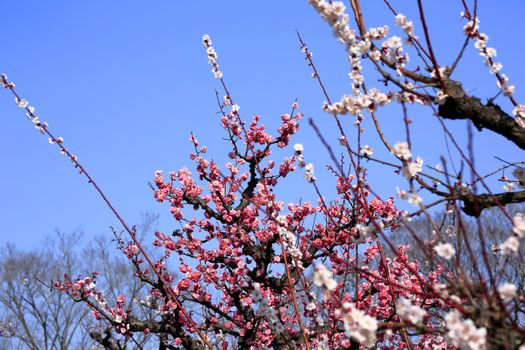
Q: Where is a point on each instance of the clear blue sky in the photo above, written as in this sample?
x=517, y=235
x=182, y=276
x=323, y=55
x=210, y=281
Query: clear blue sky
x=124, y=82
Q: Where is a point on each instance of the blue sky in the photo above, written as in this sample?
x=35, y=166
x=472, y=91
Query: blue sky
x=124, y=82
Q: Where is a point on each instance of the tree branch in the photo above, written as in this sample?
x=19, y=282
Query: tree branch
x=473, y=204
x=459, y=105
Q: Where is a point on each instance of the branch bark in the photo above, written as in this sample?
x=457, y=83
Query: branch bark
x=459, y=105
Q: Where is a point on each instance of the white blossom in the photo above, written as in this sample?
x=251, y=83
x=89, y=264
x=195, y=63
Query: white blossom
x=508, y=291
x=464, y=333
x=323, y=278
x=411, y=169
x=309, y=172
x=445, y=250
x=415, y=199
x=359, y=326
x=519, y=113
x=519, y=225
x=440, y=97
x=408, y=26
x=509, y=187
x=403, y=194
x=408, y=311
x=298, y=148
x=510, y=246
x=402, y=150
x=367, y=150
x=22, y=103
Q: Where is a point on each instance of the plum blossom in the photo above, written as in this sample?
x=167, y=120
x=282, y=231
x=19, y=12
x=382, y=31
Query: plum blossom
x=309, y=172
x=440, y=97
x=519, y=114
x=298, y=148
x=369, y=230
x=22, y=103
x=411, y=169
x=323, y=278
x=445, y=250
x=471, y=29
x=359, y=325
x=509, y=186
x=510, y=246
x=415, y=199
x=402, y=150
x=408, y=26
x=519, y=225
x=408, y=311
x=464, y=333
x=212, y=56
x=508, y=291
x=367, y=150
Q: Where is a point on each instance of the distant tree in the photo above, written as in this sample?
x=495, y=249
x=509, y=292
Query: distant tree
x=34, y=316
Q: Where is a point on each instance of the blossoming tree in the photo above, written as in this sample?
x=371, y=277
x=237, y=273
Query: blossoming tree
x=245, y=270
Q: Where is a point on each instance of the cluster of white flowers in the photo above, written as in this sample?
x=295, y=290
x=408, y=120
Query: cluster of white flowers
x=409, y=97
x=333, y=13
x=359, y=325
x=356, y=69
x=309, y=172
x=403, y=194
x=509, y=186
x=445, y=250
x=393, y=48
x=101, y=301
x=370, y=230
x=408, y=26
x=299, y=148
x=512, y=244
x=290, y=242
x=266, y=310
x=464, y=333
x=412, y=197
x=23, y=103
x=408, y=311
x=377, y=33
x=519, y=114
x=508, y=291
x=415, y=199
x=488, y=53
x=212, y=56
x=402, y=150
x=411, y=169
x=440, y=97
x=518, y=223
x=366, y=151
x=309, y=168
x=7, y=329
x=324, y=278
x=355, y=105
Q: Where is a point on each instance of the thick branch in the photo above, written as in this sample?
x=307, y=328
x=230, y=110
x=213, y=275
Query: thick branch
x=459, y=105
x=474, y=204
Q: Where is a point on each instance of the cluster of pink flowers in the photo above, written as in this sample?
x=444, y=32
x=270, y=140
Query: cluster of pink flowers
x=270, y=274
